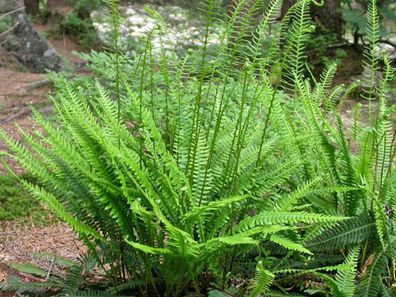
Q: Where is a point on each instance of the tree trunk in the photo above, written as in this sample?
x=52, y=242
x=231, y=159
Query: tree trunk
x=327, y=18
x=32, y=7
x=56, y=3
x=58, y=7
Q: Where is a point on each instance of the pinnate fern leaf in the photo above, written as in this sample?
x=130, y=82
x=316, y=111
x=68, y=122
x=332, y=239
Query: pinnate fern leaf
x=262, y=281
x=345, y=279
x=344, y=234
x=276, y=218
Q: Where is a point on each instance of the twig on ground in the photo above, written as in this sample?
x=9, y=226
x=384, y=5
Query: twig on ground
x=23, y=112
x=11, y=12
x=37, y=84
x=9, y=30
x=50, y=269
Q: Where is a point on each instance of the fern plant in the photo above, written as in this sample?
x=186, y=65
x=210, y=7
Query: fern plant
x=360, y=158
x=191, y=175
x=153, y=212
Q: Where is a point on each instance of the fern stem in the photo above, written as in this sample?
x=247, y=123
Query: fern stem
x=219, y=118
x=141, y=89
x=236, y=134
x=115, y=43
x=242, y=134
x=265, y=127
x=192, y=150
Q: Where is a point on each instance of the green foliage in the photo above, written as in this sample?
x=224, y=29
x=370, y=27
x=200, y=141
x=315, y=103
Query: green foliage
x=299, y=26
x=356, y=19
x=354, y=231
x=78, y=23
x=15, y=202
x=345, y=279
x=5, y=23
x=55, y=275
x=371, y=59
x=80, y=27
x=262, y=280
x=85, y=7
x=202, y=176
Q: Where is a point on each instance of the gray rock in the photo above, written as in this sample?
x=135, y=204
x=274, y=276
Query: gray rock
x=32, y=50
x=181, y=33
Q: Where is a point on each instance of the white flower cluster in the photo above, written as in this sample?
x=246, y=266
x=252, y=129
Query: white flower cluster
x=182, y=30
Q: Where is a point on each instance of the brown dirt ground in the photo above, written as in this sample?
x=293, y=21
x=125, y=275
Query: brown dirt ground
x=18, y=91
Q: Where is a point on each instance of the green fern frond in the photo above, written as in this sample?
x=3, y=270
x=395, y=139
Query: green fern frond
x=277, y=218
x=262, y=281
x=148, y=249
x=344, y=234
x=60, y=211
x=238, y=239
x=381, y=221
x=14, y=285
x=298, y=33
x=28, y=269
x=371, y=282
x=260, y=35
x=73, y=280
x=370, y=64
x=324, y=86
x=200, y=212
x=288, y=244
x=345, y=279
x=51, y=257
x=383, y=127
x=286, y=203
x=353, y=198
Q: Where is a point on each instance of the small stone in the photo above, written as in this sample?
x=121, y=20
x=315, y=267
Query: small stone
x=49, y=52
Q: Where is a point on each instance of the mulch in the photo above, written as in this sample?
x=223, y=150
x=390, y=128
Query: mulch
x=19, y=241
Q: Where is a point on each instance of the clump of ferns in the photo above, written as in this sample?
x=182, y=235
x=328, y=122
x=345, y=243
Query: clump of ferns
x=160, y=204
x=370, y=175
x=183, y=181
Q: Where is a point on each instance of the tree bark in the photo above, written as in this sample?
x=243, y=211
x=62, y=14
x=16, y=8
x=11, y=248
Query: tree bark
x=32, y=7
x=56, y=3
x=327, y=18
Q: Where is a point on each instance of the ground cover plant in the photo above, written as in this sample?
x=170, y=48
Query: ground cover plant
x=16, y=203
x=14, y=200
x=224, y=175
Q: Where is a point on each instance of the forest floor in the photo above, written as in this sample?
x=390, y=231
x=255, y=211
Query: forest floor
x=20, y=238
